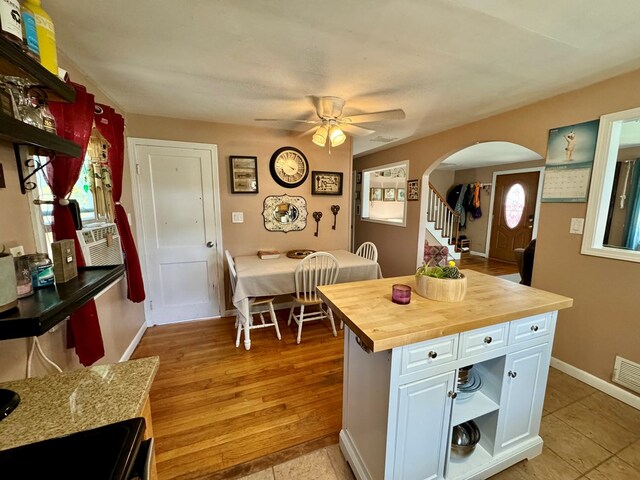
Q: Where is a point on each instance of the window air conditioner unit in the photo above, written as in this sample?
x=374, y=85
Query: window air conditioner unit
x=100, y=245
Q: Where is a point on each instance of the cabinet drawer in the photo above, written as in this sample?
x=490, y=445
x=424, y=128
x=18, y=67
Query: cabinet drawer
x=424, y=355
x=482, y=340
x=529, y=328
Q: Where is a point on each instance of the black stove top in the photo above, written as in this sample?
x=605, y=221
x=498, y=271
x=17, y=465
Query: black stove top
x=104, y=453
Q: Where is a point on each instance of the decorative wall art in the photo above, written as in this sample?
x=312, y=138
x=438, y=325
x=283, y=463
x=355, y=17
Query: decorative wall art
x=359, y=178
x=244, y=174
x=400, y=194
x=375, y=194
x=413, y=190
x=570, y=154
x=326, y=183
x=284, y=213
x=389, y=195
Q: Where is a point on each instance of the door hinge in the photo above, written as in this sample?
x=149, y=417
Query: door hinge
x=137, y=168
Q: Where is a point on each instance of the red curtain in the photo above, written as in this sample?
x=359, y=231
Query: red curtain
x=74, y=122
x=111, y=126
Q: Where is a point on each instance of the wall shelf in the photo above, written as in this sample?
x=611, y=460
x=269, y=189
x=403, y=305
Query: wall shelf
x=48, y=306
x=20, y=133
x=14, y=62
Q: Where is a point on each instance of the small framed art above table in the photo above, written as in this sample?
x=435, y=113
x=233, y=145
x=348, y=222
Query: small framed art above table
x=244, y=174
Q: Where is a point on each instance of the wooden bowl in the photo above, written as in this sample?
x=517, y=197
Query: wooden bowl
x=441, y=289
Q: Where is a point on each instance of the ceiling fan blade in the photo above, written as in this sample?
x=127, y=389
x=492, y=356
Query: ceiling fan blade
x=314, y=122
x=397, y=114
x=353, y=130
x=307, y=132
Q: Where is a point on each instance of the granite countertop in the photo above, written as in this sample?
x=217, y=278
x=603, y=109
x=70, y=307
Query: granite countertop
x=68, y=402
x=367, y=309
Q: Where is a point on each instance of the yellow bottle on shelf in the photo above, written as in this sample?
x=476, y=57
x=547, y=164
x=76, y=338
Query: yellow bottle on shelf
x=46, y=36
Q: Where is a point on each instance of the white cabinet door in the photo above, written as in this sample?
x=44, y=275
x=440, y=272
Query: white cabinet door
x=422, y=435
x=522, y=395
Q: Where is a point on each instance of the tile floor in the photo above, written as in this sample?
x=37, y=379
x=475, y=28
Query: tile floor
x=587, y=435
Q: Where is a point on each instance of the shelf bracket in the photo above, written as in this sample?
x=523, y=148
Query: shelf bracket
x=23, y=160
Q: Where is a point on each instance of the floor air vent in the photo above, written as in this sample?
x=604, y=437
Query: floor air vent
x=627, y=374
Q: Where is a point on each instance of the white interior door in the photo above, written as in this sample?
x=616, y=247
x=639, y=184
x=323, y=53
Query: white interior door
x=178, y=213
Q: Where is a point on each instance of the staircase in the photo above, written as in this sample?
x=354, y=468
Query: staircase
x=442, y=222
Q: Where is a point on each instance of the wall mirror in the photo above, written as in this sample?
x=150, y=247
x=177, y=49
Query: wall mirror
x=384, y=194
x=612, y=226
x=284, y=213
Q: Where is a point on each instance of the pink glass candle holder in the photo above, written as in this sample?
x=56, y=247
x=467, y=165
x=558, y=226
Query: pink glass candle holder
x=401, y=294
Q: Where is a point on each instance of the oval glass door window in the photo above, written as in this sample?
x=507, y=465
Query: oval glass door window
x=514, y=205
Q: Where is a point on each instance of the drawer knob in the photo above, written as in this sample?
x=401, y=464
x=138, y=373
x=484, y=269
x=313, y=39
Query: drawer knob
x=433, y=354
x=534, y=328
x=512, y=374
x=453, y=394
x=488, y=340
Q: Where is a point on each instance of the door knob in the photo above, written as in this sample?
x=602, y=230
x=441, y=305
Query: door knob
x=210, y=244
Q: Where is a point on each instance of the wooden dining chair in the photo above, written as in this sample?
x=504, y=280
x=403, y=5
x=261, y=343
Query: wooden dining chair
x=317, y=269
x=368, y=250
x=257, y=305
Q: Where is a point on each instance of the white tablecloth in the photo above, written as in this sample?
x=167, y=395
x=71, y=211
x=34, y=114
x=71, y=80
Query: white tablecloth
x=257, y=277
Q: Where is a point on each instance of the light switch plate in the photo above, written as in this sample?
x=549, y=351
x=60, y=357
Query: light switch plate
x=237, y=217
x=17, y=251
x=577, y=226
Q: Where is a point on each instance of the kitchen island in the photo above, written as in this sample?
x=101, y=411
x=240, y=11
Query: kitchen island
x=401, y=365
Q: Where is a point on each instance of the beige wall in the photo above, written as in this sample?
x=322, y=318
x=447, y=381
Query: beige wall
x=604, y=319
x=476, y=228
x=247, y=238
x=120, y=319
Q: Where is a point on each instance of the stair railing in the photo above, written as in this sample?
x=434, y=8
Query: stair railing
x=444, y=218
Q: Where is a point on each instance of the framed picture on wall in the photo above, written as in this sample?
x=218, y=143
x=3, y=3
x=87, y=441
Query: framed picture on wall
x=400, y=194
x=359, y=178
x=389, y=195
x=413, y=190
x=375, y=194
x=244, y=174
x=326, y=183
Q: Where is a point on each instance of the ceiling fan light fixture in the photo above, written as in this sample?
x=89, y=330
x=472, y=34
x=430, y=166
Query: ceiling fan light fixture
x=320, y=136
x=336, y=136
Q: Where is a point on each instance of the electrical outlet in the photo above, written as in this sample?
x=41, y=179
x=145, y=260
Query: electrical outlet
x=237, y=217
x=17, y=251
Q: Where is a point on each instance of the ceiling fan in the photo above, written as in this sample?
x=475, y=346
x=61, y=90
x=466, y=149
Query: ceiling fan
x=332, y=125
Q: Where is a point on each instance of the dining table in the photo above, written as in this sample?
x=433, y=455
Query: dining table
x=258, y=277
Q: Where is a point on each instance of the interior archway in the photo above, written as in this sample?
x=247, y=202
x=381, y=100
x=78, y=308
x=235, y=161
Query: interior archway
x=483, y=163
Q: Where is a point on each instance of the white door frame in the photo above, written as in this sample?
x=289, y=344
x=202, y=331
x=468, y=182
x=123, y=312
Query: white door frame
x=536, y=216
x=132, y=143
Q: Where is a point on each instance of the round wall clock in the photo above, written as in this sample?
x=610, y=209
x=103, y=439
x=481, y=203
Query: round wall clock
x=289, y=167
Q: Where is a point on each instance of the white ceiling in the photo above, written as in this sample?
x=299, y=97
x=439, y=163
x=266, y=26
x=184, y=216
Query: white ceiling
x=445, y=62
x=488, y=154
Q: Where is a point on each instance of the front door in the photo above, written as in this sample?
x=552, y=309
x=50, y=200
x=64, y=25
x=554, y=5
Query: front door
x=179, y=227
x=514, y=209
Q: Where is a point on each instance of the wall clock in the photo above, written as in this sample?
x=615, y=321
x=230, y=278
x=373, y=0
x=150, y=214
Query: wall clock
x=289, y=167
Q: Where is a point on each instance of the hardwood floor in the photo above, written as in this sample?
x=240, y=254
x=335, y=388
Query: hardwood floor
x=216, y=407
x=221, y=412
x=487, y=265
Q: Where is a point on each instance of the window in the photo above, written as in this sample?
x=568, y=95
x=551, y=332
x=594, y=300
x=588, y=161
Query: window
x=92, y=191
x=383, y=194
x=514, y=205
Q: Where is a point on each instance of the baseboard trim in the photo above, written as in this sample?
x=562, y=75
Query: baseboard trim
x=134, y=343
x=479, y=254
x=597, y=383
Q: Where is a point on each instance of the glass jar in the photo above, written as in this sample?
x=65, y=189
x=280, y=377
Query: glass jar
x=23, y=276
x=41, y=270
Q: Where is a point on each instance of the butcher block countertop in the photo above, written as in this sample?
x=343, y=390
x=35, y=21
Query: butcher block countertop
x=367, y=309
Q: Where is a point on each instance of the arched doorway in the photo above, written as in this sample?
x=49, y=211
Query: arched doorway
x=497, y=167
